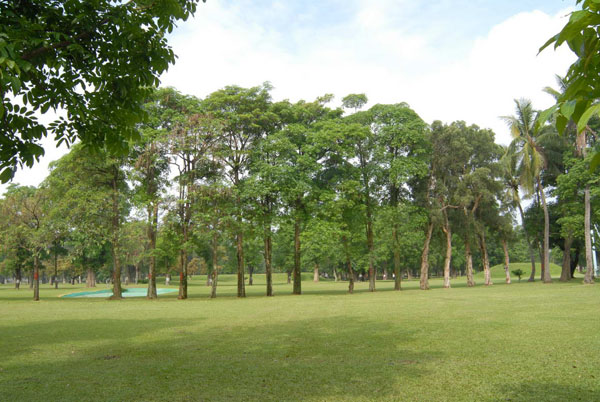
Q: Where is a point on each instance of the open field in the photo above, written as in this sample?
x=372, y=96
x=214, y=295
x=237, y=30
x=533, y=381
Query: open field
x=523, y=342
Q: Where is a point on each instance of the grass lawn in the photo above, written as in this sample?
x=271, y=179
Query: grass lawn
x=519, y=342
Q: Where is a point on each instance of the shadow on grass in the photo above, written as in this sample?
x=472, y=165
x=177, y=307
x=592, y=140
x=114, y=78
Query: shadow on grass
x=324, y=359
x=549, y=392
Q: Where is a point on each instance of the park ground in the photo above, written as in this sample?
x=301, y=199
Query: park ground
x=519, y=342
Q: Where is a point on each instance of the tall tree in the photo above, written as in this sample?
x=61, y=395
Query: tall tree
x=525, y=146
x=241, y=112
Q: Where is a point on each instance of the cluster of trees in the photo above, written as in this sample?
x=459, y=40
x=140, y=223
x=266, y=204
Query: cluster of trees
x=236, y=182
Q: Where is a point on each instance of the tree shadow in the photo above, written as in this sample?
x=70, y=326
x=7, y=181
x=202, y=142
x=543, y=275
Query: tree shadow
x=325, y=359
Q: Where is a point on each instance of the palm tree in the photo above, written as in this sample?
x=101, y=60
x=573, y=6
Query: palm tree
x=530, y=163
x=511, y=184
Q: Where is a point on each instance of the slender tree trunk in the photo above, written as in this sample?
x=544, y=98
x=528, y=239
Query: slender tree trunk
x=565, y=274
x=137, y=273
x=18, y=278
x=117, y=290
x=397, y=273
x=469, y=262
x=371, y=248
x=547, y=278
x=350, y=274
x=36, y=278
x=183, y=255
x=424, y=282
x=268, y=258
x=335, y=274
x=56, y=269
x=152, y=230
x=215, y=265
x=289, y=277
x=589, y=272
x=297, y=276
x=506, y=261
x=241, y=283
x=448, y=258
x=316, y=273
x=485, y=260
x=250, y=273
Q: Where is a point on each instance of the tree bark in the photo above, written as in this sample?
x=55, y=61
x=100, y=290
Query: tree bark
x=151, y=232
x=117, y=290
x=183, y=262
x=565, y=273
x=547, y=277
x=316, y=273
x=55, y=269
x=397, y=273
x=297, y=276
x=485, y=260
x=469, y=262
x=90, y=280
x=268, y=258
x=36, y=278
x=18, y=278
x=241, y=283
x=250, y=273
x=424, y=282
x=215, y=265
x=448, y=257
x=506, y=261
x=589, y=272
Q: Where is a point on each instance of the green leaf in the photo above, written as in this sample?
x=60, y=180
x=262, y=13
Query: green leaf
x=586, y=116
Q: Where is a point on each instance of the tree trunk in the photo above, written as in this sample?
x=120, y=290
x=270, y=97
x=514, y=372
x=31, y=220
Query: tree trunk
x=371, y=248
x=350, y=274
x=397, y=273
x=335, y=274
x=117, y=290
x=448, y=257
x=183, y=263
x=485, y=260
x=297, y=276
x=589, y=272
x=289, y=277
x=241, y=283
x=56, y=269
x=268, y=258
x=250, y=273
x=215, y=265
x=151, y=232
x=469, y=261
x=547, y=277
x=565, y=273
x=424, y=282
x=36, y=278
x=316, y=273
x=506, y=261
x=137, y=273
x=90, y=280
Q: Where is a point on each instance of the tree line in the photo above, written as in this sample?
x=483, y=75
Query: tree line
x=237, y=182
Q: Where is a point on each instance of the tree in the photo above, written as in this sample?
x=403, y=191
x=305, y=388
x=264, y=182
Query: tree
x=96, y=61
x=403, y=149
x=242, y=114
x=526, y=131
x=94, y=196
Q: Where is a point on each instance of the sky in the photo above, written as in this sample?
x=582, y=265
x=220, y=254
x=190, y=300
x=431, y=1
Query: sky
x=448, y=59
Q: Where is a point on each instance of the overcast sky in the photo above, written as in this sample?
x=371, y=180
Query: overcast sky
x=448, y=59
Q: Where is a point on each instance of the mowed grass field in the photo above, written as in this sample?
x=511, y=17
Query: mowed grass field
x=519, y=342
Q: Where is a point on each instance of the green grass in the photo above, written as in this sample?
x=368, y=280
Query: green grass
x=498, y=271
x=519, y=342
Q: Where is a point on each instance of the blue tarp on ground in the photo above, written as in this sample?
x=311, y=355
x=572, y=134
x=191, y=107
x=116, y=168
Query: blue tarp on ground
x=130, y=292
